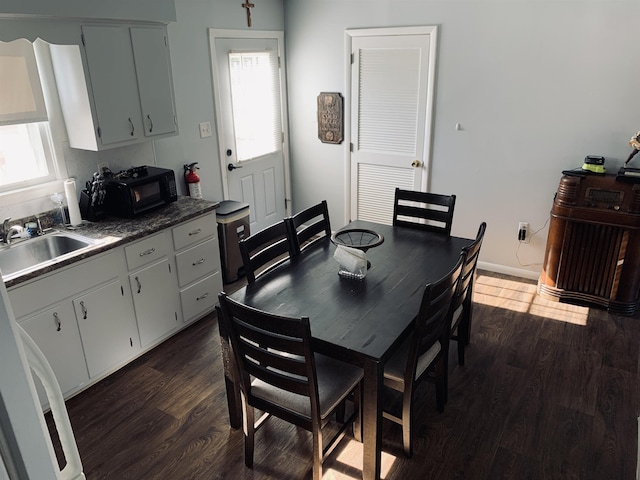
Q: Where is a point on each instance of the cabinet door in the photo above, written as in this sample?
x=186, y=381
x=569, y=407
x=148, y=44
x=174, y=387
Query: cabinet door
x=55, y=331
x=155, y=299
x=107, y=327
x=153, y=70
x=113, y=81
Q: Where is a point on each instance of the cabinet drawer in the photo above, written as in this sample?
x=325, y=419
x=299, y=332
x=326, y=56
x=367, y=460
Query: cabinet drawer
x=146, y=251
x=201, y=297
x=194, y=231
x=196, y=262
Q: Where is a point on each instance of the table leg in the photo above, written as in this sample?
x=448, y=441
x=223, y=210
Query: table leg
x=372, y=421
x=233, y=393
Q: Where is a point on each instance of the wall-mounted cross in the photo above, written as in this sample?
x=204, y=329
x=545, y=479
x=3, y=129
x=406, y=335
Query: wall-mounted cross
x=248, y=5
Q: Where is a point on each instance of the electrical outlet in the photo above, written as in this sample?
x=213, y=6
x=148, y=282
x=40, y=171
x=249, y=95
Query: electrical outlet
x=102, y=166
x=205, y=129
x=523, y=232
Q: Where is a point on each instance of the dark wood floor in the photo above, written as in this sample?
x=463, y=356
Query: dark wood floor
x=549, y=392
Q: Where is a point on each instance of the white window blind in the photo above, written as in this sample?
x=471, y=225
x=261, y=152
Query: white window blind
x=389, y=99
x=255, y=102
x=21, y=98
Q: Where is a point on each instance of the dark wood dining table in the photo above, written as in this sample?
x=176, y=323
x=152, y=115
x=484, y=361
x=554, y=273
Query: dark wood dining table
x=357, y=321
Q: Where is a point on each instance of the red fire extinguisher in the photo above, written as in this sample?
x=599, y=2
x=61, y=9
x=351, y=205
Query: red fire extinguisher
x=192, y=179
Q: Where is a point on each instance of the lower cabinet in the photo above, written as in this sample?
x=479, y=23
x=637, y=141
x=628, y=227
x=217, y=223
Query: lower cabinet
x=155, y=301
x=107, y=327
x=56, y=332
x=94, y=316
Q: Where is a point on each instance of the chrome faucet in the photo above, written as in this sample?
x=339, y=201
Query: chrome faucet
x=7, y=232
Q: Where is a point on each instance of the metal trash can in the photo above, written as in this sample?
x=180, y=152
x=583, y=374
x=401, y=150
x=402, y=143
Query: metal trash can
x=233, y=225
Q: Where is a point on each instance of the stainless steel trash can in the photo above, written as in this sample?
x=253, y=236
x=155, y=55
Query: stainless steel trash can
x=233, y=225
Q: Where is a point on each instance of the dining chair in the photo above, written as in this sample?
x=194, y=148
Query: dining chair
x=281, y=376
x=309, y=226
x=423, y=210
x=264, y=250
x=423, y=355
x=462, y=301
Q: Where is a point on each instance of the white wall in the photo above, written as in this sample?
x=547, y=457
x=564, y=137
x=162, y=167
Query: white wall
x=191, y=64
x=536, y=86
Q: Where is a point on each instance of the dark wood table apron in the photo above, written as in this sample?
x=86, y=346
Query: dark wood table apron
x=358, y=321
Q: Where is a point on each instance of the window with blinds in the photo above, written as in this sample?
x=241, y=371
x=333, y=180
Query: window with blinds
x=254, y=99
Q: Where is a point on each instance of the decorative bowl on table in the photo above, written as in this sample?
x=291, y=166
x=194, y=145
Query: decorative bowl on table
x=353, y=263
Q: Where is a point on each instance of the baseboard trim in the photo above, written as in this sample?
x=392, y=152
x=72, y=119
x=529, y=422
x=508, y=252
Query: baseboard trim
x=516, y=272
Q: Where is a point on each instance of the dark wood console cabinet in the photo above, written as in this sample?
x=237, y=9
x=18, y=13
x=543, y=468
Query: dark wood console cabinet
x=593, y=248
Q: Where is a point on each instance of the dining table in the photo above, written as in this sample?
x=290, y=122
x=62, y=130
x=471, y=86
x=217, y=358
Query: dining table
x=360, y=321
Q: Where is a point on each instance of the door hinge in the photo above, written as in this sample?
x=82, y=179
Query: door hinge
x=131, y=341
x=353, y=57
x=99, y=133
x=169, y=265
x=166, y=43
x=122, y=290
x=279, y=62
x=82, y=40
x=282, y=141
x=351, y=147
x=176, y=314
x=175, y=120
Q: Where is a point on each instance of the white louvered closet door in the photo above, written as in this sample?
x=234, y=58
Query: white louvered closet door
x=391, y=104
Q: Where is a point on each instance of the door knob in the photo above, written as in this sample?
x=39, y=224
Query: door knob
x=416, y=163
x=231, y=167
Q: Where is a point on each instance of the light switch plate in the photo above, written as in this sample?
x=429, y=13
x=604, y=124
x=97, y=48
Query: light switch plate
x=205, y=129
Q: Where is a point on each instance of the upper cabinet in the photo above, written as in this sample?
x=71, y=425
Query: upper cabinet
x=122, y=93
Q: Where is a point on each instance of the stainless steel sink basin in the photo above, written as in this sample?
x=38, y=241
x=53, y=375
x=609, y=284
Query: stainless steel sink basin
x=31, y=254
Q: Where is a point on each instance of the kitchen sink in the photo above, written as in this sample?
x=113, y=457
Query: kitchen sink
x=34, y=253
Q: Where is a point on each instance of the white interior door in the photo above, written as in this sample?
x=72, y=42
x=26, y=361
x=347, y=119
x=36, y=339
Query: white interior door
x=392, y=76
x=249, y=91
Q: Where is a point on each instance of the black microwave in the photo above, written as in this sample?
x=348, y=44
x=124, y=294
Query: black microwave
x=139, y=190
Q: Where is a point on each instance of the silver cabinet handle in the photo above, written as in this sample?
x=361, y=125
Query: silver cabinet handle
x=199, y=262
x=195, y=232
x=202, y=297
x=132, y=127
x=58, y=322
x=139, y=284
x=84, y=310
x=150, y=123
x=148, y=252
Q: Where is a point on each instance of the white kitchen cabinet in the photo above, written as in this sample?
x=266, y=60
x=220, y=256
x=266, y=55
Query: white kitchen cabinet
x=155, y=301
x=107, y=327
x=198, y=265
x=153, y=71
x=56, y=333
x=126, y=99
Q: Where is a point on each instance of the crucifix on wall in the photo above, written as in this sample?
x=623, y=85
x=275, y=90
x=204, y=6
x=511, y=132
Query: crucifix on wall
x=248, y=5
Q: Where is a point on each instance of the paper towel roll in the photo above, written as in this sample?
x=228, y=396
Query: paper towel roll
x=72, y=201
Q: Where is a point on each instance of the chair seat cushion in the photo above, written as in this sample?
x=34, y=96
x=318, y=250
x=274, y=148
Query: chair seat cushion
x=397, y=364
x=336, y=380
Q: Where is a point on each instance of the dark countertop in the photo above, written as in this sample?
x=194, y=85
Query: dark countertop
x=113, y=232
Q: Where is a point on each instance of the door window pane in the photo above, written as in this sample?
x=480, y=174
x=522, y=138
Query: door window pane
x=255, y=103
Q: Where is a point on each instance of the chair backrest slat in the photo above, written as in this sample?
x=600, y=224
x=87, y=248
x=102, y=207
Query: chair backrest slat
x=264, y=250
x=308, y=226
x=471, y=254
x=423, y=210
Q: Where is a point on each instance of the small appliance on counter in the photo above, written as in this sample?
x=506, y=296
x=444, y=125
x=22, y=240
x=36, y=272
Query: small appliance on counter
x=138, y=190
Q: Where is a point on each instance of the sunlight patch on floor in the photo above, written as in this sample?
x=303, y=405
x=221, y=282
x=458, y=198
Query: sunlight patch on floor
x=522, y=297
x=349, y=462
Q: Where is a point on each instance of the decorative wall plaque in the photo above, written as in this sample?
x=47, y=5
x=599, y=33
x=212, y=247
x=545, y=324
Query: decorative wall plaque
x=330, y=119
